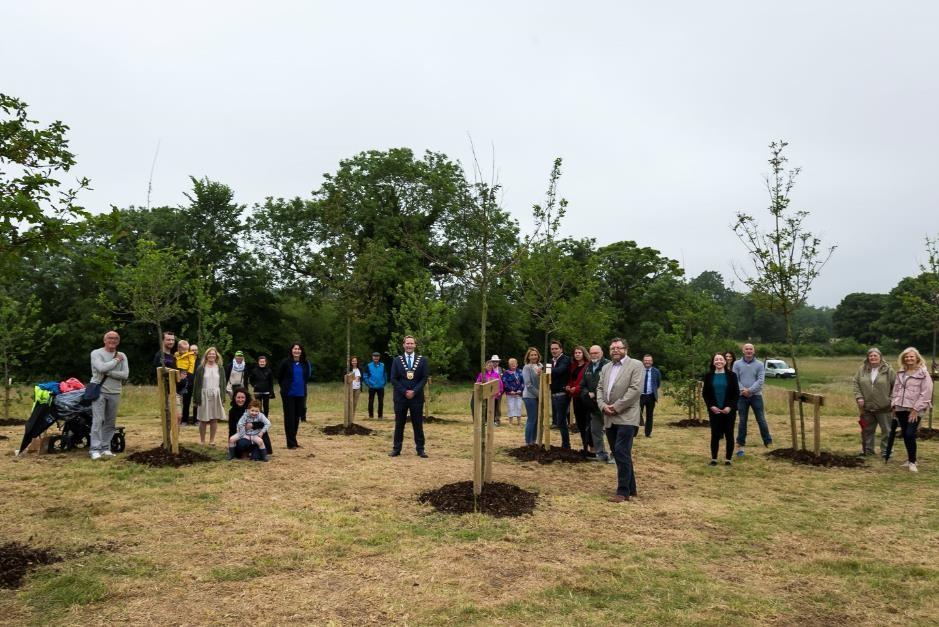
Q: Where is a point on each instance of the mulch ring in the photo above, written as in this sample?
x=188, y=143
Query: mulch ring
x=159, y=457
x=690, y=422
x=12, y=422
x=435, y=420
x=352, y=429
x=826, y=459
x=17, y=559
x=925, y=433
x=3, y=437
x=534, y=453
x=497, y=499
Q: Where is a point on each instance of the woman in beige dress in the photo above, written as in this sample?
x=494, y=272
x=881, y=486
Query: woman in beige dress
x=208, y=393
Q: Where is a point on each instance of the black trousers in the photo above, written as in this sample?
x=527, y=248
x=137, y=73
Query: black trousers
x=372, y=393
x=265, y=399
x=722, y=428
x=293, y=406
x=415, y=408
x=647, y=407
x=582, y=416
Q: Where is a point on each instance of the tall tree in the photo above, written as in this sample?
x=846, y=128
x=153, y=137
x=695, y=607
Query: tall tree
x=787, y=258
x=856, y=316
x=36, y=211
x=21, y=333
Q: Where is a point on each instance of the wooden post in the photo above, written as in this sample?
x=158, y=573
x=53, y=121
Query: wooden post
x=347, y=399
x=174, y=416
x=544, y=408
x=935, y=377
x=792, y=420
x=428, y=398
x=817, y=403
x=164, y=409
x=484, y=432
x=698, y=399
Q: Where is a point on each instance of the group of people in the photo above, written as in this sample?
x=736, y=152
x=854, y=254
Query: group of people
x=611, y=397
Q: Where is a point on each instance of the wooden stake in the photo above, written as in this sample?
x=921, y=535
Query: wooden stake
x=161, y=398
x=347, y=397
x=477, y=440
x=817, y=403
x=174, y=416
x=792, y=420
x=491, y=391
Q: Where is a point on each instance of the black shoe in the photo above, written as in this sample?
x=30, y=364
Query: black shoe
x=422, y=454
x=394, y=454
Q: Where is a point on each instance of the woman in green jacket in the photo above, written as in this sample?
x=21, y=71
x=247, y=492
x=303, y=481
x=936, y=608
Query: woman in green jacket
x=873, y=384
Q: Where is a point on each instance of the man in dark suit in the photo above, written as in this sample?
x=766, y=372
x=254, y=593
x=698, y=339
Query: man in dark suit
x=408, y=375
x=560, y=401
x=651, y=380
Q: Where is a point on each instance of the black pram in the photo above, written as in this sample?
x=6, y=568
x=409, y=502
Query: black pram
x=73, y=419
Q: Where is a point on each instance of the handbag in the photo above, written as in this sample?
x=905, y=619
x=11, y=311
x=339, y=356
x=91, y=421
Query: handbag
x=92, y=392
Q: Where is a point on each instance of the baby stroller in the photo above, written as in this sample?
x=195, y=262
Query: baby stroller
x=71, y=416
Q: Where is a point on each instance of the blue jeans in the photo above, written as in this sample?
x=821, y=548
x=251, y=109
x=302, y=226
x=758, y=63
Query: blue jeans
x=531, y=423
x=560, y=405
x=743, y=409
x=621, y=442
x=908, y=431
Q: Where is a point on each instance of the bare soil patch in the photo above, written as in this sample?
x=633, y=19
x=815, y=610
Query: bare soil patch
x=688, y=423
x=497, y=499
x=534, y=453
x=925, y=433
x=18, y=559
x=352, y=429
x=826, y=459
x=159, y=457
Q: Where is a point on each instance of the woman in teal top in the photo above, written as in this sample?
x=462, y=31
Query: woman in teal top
x=720, y=393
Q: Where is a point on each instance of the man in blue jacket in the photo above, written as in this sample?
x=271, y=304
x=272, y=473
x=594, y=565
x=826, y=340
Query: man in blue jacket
x=651, y=380
x=408, y=375
x=375, y=379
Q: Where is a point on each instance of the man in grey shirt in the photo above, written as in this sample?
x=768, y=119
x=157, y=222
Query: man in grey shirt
x=750, y=376
x=109, y=368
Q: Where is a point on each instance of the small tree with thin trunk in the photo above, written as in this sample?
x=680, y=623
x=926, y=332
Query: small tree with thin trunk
x=786, y=259
x=21, y=334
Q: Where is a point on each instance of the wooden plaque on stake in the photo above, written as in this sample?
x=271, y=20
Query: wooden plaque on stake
x=347, y=399
x=484, y=406
x=817, y=401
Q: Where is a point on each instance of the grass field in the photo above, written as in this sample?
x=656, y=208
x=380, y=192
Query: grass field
x=332, y=533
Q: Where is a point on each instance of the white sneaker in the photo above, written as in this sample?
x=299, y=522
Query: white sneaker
x=95, y=455
x=913, y=467
x=107, y=453
x=905, y=465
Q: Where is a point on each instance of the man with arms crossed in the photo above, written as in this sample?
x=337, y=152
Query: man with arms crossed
x=750, y=376
x=109, y=368
x=618, y=394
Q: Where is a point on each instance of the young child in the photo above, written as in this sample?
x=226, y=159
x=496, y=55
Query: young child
x=514, y=385
x=186, y=364
x=252, y=426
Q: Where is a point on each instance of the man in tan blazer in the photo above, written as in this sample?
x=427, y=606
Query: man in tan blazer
x=618, y=395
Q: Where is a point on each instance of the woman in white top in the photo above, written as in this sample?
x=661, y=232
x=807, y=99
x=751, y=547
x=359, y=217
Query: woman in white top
x=208, y=392
x=356, y=383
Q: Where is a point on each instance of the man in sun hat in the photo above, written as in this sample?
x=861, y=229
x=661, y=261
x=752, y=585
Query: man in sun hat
x=236, y=374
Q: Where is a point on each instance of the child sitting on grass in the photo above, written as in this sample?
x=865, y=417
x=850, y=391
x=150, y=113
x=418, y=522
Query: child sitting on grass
x=251, y=428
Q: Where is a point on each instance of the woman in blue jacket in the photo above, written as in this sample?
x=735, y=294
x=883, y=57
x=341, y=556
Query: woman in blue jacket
x=293, y=374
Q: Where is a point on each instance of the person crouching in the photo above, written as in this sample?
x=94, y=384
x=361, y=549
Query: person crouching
x=251, y=429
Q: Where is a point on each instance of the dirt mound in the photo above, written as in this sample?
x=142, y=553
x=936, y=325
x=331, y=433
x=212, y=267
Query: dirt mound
x=353, y=429
x=826, y=459
x=690, y=422
x=925, y=433
x=159, y=457
x=496, y=499
x=534, y=453
x=12, y=422
x=435, y=420
x=17, y=559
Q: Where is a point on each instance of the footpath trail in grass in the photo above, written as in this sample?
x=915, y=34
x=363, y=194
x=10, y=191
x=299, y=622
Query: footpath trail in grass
x=333, y=533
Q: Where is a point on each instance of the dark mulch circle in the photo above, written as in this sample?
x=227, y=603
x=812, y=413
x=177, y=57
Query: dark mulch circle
x=17, y=559
x=434, y=420
x=3, y=437
x=534, y=453
x=353, y=429
x=689, y=423
x=12, y=422
x=925, y=433
x=159, y=457
x=497, y=499
x=826, y=459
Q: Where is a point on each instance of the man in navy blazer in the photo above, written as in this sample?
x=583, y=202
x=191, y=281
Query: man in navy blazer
x=408, y=375
x=651, y=381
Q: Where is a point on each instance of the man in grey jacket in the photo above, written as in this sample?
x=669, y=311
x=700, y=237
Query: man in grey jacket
x=109, y=368
x=750, y=376
x=618, y=394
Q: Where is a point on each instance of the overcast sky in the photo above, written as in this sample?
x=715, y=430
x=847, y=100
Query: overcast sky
x=662, y=113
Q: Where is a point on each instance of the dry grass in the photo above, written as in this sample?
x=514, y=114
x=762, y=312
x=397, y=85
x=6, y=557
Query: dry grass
x=332, y=534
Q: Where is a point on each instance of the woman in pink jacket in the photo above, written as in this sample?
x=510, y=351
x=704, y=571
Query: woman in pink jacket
x=492, y=373
x=912, y=395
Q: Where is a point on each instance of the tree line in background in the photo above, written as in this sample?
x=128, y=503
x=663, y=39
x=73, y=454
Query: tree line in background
x=390, y=243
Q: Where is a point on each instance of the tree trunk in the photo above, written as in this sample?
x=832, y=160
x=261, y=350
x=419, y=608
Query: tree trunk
x=483, y=321
x=792, y=356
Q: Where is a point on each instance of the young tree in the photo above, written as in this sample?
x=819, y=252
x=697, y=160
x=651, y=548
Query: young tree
x=35, y=212
x=150, y=290
x=20, y=335
x=422, y=314
x=786, y=259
